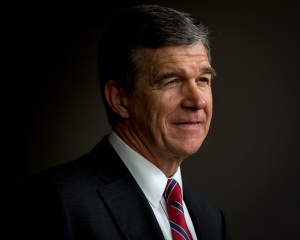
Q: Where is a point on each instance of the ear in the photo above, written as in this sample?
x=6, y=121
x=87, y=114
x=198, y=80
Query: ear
x=116, y=98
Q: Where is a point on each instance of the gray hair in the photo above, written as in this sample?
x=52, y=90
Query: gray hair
x=151, y=26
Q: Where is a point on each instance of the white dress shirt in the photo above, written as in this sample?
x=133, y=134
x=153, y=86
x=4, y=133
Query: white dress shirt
x=152, y=181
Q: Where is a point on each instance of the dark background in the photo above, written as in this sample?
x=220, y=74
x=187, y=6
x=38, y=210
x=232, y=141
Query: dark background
x=248, y=165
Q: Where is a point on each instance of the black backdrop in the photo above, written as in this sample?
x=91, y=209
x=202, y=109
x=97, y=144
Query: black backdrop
x=249, y=163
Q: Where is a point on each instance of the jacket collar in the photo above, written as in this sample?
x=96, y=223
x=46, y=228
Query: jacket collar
x=123, y=196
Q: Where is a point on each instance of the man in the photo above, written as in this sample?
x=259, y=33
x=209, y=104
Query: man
x=155, y=75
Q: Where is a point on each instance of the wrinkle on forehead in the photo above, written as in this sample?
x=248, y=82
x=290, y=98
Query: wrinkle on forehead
x=177, y=53
x=171, y=59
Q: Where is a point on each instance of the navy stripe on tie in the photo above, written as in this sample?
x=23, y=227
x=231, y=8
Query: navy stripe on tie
x=169, y=189
x=180, y=230
x=177, y=205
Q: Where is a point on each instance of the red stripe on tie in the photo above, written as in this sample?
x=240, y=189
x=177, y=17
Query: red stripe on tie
x=178, y=225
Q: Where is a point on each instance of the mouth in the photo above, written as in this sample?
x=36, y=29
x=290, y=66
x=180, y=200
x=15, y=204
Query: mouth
x=189, y=122
x=190, y=125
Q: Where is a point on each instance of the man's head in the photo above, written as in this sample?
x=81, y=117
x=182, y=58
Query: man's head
x=148, y=26
x=155, y=75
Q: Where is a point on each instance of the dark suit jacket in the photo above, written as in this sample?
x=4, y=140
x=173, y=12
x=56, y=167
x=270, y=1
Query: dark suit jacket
x=96, y=197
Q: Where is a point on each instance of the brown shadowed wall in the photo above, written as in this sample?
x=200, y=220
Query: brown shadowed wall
x=249, y=163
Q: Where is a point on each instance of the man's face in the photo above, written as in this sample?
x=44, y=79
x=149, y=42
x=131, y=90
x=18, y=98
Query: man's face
x=171, y=108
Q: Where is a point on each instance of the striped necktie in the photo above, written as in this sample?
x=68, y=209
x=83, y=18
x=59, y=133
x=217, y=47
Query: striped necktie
x=172, y=194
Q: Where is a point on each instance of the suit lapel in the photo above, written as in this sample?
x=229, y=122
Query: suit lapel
x=194, y=210
x=203, y=215
x=123, y=196
x=131, y=210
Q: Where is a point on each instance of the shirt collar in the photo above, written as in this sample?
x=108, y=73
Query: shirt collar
x=149, y=177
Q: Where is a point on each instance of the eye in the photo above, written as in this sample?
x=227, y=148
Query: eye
x=172, y=81
x=204, y=80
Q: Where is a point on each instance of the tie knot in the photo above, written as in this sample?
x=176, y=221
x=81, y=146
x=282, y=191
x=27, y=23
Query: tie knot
x=172, y=191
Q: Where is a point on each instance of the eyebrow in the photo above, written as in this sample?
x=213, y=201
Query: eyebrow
x=211, y=71
x=161, y=77
x=167, y=75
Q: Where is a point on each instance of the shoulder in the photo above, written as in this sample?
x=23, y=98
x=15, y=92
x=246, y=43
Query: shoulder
x=73, y=175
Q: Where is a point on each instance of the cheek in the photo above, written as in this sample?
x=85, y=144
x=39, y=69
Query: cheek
x=209, y=103
x=209, y=112
x=153, y=108
x=145, y=109
x=168, y=105
x=209, y=100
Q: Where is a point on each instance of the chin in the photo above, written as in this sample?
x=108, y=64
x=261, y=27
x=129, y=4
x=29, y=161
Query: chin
x=188, y=149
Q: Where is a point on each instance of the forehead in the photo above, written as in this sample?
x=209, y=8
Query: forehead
x=171, y=56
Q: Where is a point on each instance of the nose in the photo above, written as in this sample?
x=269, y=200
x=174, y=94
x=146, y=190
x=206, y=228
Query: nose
x=193, y=97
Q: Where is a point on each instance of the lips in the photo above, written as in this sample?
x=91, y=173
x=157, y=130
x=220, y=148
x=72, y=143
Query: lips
x=188, y=127
x=189, y=121
x=189, y=124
